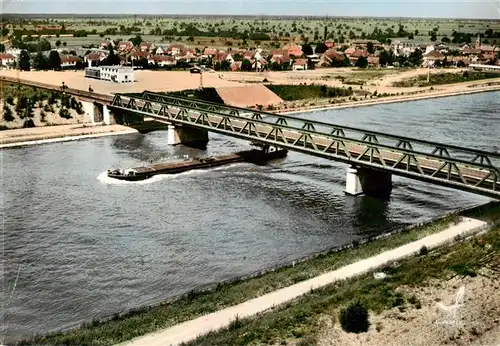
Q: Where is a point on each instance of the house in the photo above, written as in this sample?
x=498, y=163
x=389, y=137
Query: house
x=373, y=60
x=7, y=59
x=224, y=56
x=175, y=49
x=138, y=55
x=96, y=57
x=299, y=64
x=349, y=51
x=248, y=55
x=280, y=60
x=117, y=74
x=106, y=44
x=259, y=64
x=210, y=52
x=146, y=47
x=432, y=57
x=364, y=43
x=162, y=60
x=68, y=61
x=293, y=49
x=358, y=53
x=161, y=50
x=329, y=44
x=329, y=57
x=470, y=51
x=236, y=66
x=186, y=56
x=460, y=61
x=125, y=46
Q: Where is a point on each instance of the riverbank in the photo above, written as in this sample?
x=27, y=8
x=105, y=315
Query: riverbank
x=120, y=328
x=58, y=133
x=401, y=301
x=425, y=94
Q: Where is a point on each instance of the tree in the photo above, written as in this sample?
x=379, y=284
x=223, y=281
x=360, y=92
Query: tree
x=24, y=61
x=320, y=48
x=2, y=48
x=137, y=40
x=112, y=58
x=246, y=65
x=415, y=58
x=40, y=63
x=354, y=319
x=54, y=60
x=386, y=58
x=433, y=37
x=225, y=65
x=307, y=49
x=58, y=43
x=362, y=62
x=325, y=33
x=64, y=44
x=370, y=48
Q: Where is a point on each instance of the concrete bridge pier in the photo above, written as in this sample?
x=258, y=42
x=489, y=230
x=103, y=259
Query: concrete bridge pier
x=368, y=181
x=97, y=112
x=189, y=136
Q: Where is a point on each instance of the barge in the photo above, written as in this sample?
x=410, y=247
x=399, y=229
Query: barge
x=258, y=157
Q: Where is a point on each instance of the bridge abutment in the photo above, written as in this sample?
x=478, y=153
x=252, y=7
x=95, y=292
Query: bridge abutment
x=188, y=136
x=368, y=181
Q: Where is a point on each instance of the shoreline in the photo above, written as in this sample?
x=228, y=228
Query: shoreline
x=394, y=99
x=64, y=137
x=111, y=130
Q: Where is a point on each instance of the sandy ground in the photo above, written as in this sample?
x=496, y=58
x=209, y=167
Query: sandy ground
x=479, y=317
x=189, y=330
x=379, y=80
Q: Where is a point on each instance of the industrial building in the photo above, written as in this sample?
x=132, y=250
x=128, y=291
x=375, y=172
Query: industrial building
x=117, y=74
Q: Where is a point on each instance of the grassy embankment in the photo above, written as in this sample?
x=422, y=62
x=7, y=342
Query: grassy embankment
x=29, y=107
x=301, y=321
x=445, y=78
x=149, y=319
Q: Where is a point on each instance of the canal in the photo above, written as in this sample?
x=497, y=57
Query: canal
x=77, y=246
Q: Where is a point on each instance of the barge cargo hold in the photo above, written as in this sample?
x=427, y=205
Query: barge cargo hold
x=140, y=173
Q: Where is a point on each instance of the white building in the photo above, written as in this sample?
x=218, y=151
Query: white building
x=117, y=74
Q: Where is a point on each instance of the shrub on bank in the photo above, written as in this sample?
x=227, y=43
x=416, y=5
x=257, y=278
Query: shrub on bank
x=354, y=319
x=7, y=113
x=300, y=92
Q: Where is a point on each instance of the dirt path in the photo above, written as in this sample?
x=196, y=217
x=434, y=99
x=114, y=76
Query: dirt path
x=191, y=329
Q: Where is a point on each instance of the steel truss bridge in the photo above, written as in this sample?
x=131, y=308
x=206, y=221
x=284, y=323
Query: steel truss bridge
x=467, y=169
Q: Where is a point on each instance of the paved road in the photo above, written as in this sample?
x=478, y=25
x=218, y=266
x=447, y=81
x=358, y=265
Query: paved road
x=191, y=329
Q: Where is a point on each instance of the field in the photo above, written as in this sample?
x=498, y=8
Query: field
x=221, y=32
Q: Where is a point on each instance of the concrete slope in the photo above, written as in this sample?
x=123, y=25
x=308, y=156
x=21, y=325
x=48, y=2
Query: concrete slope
x=191, y=329
x=248, y=95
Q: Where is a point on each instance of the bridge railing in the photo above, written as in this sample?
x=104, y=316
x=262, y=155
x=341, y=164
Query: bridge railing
x=393, y=141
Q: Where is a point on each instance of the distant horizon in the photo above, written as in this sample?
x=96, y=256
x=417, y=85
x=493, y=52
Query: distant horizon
x=388, y=9
x=187, y=15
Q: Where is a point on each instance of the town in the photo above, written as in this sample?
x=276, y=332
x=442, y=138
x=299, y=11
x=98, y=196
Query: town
x=31, y=49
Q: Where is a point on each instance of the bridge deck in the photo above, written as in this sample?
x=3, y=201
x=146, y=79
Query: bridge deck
x=479, y=174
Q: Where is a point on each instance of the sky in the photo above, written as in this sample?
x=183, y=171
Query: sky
x=487, y=9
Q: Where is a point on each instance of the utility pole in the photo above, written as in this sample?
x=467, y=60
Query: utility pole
x=201, y=80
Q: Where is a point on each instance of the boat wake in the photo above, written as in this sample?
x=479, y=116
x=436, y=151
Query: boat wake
x=104, y=179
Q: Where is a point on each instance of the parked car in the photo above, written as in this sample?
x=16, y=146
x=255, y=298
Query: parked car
x=195, y=70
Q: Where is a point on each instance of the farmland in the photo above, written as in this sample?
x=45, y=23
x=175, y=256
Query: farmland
x=265, y=32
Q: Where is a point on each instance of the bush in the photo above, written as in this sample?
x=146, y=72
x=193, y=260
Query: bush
x=43, y=116
x=7, y=113
x=64, y=113
x=29, y=123
x=423, y=251
x=10, y=100
x=354, y=319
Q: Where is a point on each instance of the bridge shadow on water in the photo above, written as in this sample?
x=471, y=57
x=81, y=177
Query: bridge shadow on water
x=371, y=215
